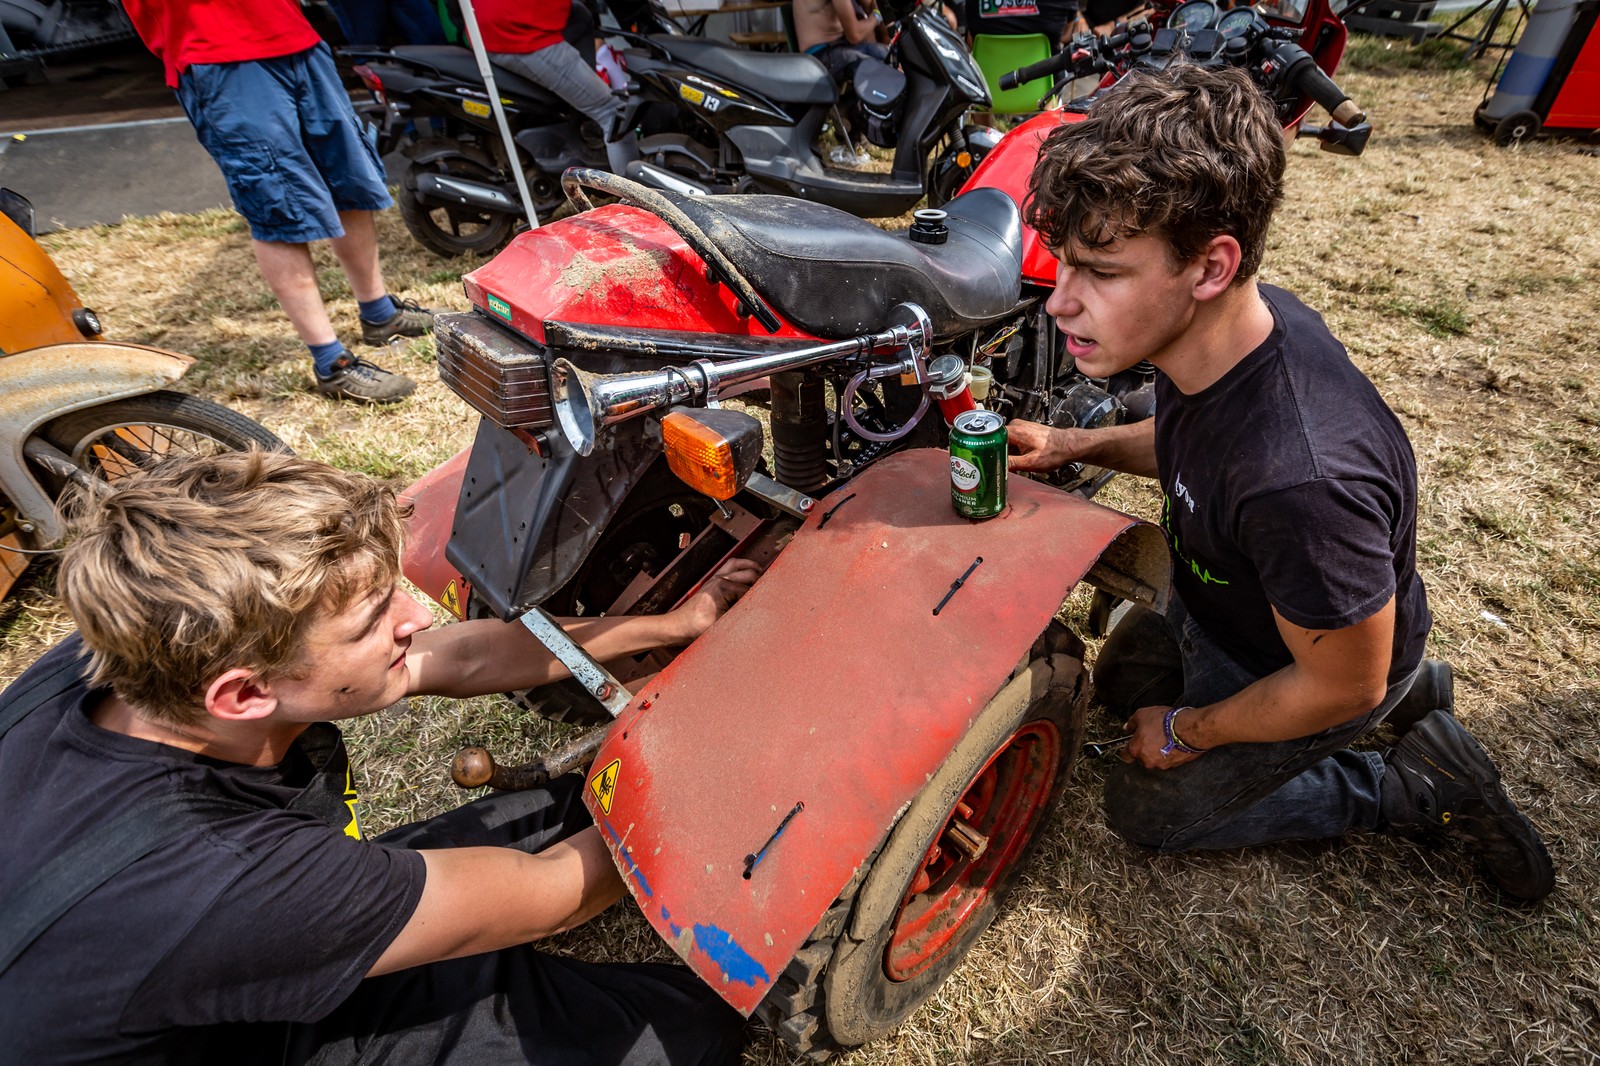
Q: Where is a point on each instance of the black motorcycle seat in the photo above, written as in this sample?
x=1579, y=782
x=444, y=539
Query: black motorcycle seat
x=461, y=64
x=783, y=77
x=835, y=275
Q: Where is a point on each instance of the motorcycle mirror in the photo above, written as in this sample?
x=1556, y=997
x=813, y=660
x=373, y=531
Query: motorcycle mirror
x=18, y=209
x=713, y=450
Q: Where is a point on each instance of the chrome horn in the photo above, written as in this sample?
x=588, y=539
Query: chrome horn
x=586, y=403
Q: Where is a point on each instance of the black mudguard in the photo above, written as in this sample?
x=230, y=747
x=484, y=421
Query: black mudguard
x=525, y=522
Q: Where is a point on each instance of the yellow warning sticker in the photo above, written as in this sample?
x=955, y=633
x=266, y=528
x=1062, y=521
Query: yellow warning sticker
x=474, y=108
x=694, y=96
x=604, y=784
x=451, y=598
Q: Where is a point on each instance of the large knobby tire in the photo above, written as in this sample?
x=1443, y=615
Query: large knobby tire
x=907, y=920
x=457, y=229
x=114, y=439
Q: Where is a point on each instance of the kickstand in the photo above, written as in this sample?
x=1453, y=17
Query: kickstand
x=844, y=133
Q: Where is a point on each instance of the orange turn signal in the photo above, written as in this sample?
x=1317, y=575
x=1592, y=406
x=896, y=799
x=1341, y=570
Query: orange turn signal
x=711, y=450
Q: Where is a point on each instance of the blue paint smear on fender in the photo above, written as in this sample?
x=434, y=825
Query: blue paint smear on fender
x=630, y=867
x=735, y=963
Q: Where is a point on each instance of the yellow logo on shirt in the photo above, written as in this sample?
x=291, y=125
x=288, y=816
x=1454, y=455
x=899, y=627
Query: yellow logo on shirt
x=351, y=798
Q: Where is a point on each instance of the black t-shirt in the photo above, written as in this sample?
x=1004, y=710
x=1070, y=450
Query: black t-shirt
x=1010, y=17
x=269, y=916
x=1289, y=484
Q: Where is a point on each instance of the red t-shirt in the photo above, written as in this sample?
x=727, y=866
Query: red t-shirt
x=184, y=32
x=521, y=25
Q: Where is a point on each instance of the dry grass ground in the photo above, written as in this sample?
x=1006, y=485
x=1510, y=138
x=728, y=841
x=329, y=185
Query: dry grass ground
x=1463, y=279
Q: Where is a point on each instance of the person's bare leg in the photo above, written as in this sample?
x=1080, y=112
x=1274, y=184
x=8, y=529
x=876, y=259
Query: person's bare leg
x=357, y=252
x=290, y=275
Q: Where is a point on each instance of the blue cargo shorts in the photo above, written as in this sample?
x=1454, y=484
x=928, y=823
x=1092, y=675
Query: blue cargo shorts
x=289, y=144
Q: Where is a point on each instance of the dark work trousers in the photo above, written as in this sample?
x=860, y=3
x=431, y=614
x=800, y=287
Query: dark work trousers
x=520, y=1005
x=1236, y=795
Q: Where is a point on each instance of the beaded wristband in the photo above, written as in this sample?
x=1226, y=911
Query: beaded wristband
x=1173, y=743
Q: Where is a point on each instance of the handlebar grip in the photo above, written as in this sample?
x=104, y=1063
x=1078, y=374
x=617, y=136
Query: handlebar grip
x=1307, y=77
x=1054, y=65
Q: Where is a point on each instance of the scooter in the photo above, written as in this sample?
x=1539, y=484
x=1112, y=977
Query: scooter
x=751, y=121
x=820, y=803
x=457, y=193
x=75, y=407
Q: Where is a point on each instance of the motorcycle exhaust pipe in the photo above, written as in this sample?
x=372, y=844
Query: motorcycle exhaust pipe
x=442, y=190
x=586, y=403
x=646, y=174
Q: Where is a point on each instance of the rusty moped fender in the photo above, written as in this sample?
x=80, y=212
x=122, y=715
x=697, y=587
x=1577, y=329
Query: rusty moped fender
x=746, y=785
x=43, y=383
x=433, y=512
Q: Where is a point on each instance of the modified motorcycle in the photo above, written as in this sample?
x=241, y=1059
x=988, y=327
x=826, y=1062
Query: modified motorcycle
x=74, y=406
x=820, y=803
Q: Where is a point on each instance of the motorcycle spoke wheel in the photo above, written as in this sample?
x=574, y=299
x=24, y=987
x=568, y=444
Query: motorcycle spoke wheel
x=116, y=439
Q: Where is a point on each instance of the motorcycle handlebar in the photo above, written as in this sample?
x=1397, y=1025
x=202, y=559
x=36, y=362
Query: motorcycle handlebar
x=1302, y=72
x=1022, y=75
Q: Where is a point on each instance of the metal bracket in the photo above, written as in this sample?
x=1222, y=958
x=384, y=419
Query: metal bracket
x=785, y=499
x=595, y=679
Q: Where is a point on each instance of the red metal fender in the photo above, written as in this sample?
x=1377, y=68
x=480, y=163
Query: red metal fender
x=834, y=684
x=433, y=501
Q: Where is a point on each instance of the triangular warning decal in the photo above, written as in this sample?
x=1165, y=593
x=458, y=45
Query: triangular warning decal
x=451, y=599
x=604, y=784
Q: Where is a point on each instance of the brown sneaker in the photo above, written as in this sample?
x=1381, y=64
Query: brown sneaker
x=410, y=319
x=1439, y=779
x=354, y=378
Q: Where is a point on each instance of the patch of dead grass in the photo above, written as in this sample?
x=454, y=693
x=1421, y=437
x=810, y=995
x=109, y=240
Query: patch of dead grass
x=1368, y=951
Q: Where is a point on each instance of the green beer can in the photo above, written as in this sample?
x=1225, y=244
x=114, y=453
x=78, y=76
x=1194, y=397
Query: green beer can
x=978, y=464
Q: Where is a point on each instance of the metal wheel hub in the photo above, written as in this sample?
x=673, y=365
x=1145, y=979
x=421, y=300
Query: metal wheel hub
x=985, y=833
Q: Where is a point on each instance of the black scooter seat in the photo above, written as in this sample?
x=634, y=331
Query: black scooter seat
x=781, y=77
x=835, y=275
x=461, y=64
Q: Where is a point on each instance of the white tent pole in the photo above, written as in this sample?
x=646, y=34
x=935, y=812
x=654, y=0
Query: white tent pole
x=487, y=72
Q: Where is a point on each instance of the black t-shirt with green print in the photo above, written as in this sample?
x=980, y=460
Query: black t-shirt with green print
x=1289, y=484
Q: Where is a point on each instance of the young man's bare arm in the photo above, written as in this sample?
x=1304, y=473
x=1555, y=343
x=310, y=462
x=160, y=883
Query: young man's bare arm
x=484, y=899
x=479, y=657
x=1337, y=674
x=856, y=29
x=1130, y=449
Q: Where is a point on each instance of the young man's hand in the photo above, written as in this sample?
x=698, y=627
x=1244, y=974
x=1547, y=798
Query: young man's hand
x=1149, y=737
x=719, y=592
x=1040, y=449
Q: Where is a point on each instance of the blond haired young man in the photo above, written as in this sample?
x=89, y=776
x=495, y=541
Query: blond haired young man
x=232, y=609
x=1289, y=503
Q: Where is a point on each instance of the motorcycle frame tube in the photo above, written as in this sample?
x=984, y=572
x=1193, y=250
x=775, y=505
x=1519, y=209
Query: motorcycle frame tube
x=42, y=384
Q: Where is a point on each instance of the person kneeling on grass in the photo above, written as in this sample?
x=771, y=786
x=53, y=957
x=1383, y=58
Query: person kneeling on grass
x=1298, y=619
x=230, y=609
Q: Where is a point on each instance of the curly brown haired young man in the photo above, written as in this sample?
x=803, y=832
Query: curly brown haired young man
x=232, y=609
x=1289, y=502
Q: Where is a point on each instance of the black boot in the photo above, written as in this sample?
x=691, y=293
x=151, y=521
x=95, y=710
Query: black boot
x=1440, y=779
x=1433, y=690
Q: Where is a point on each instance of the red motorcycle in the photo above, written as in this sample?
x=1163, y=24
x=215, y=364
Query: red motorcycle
x=820, y=802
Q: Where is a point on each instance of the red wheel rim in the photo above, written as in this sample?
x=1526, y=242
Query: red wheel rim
x=957, y=876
